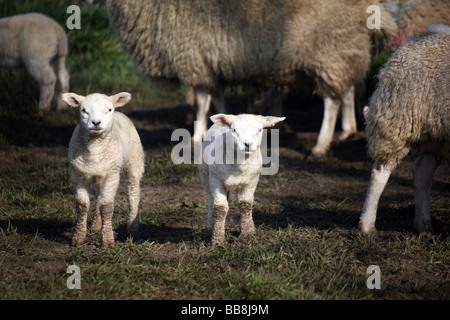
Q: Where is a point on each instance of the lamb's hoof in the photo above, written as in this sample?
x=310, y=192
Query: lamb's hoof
x=248, y=235
x=77, y=241
x=96, y=226
x=108, y=243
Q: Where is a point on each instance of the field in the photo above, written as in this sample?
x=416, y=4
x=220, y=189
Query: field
x=307, y=245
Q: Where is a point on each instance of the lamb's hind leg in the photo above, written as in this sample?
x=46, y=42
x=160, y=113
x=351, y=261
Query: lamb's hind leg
x=107, y=195
x=423, y=176
x=97, y=221
x=63, y=81
x=133, y=195
x=45, y=76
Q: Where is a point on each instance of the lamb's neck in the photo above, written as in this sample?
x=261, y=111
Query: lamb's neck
x=96, y=143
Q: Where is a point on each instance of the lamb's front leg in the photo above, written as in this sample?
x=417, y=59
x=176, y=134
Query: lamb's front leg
x=245, y=199
x=82, y=209
x=107, y=194
x=220, y=212
x=96, y=225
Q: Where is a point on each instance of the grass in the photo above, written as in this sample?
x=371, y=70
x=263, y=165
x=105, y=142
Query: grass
x=307, y=244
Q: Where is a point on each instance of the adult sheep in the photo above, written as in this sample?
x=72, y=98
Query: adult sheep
x=410, y=109
x=208, y=45
x=413, y=16
x=39, y=44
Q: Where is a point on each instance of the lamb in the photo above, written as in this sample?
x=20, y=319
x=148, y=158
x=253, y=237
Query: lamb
x=410, y=109
x=267, y=44
x=39, y=44
x=104, y=145
x=232, y=169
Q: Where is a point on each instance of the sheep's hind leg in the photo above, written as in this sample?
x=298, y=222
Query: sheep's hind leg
x=203, y=101
x=331, y=109
x=348, y=115
x=379, y=178
x=423, y=177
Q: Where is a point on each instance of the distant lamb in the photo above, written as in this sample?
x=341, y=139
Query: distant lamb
x=208, y=45
x=410, y=109
x=237, y=169
x=104, y=145
x=39, y=44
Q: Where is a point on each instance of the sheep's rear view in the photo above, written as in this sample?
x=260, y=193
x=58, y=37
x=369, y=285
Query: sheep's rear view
x=39, y=44
x=410, y=109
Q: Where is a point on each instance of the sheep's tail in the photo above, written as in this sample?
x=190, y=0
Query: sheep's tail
x=382, y=37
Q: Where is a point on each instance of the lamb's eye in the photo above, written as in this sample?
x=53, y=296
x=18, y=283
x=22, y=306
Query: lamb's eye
x=84, y=111
x=233, y=129
x=109, y=110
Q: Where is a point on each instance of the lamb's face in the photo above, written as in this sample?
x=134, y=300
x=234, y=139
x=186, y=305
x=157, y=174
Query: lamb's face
x=97, y=114
x=96, y=110
x=246, y=129
x=247, y=134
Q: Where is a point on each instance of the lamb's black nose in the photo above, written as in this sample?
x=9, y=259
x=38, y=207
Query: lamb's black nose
x=96, y=123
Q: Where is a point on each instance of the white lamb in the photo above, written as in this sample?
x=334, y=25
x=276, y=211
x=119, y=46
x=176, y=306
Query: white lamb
x=39, y=44
x=238, y=169
x=104, y=145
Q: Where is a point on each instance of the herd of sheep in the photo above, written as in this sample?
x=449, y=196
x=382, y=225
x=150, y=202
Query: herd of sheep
x=268, y=46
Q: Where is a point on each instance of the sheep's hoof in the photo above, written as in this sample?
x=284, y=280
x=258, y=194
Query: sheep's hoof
x=315, y=156
x=426, y=235
x=370, y=233
x=346, y=136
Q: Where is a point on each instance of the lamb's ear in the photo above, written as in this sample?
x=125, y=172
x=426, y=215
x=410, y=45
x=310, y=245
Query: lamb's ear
x=224, y=120
x=72, y=99
x=270, y=121
x=120, y=99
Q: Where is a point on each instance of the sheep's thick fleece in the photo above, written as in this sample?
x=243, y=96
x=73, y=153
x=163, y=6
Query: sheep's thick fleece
x=205, y=44
x=411, y=104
